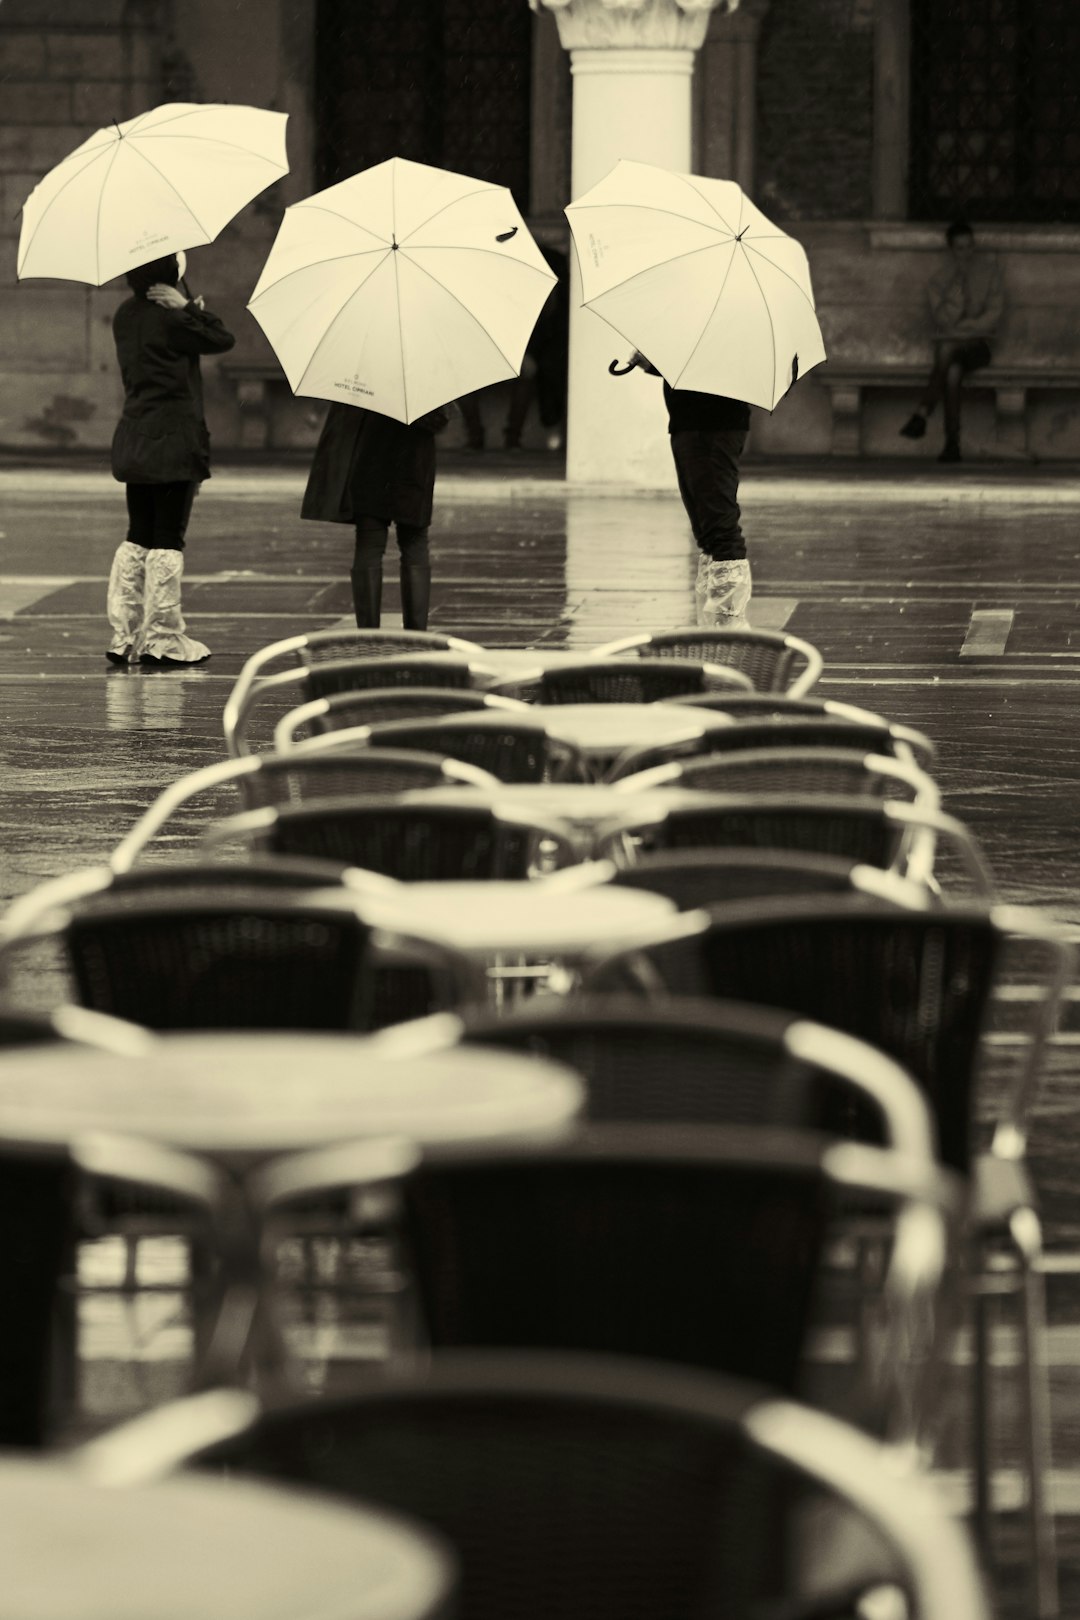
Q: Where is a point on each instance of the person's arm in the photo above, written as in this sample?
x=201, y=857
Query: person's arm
x=194, y=330
x=945, y=294
x=993, y=305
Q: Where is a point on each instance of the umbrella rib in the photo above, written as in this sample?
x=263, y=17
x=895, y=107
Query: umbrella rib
x=172, y=188
x=99, y=151
x=781, y=271
x=203, y=106
x=651, y=208
x=465, y=247
x=444, y=288
x=768, y=314
x=397, y=288
x=326, y=333
x=315, y=264
x=705, y=324
x=710, y=247
x=212, y=140
x=322, y=209
x=97, y=222
x=685, y=178
x=451, y=204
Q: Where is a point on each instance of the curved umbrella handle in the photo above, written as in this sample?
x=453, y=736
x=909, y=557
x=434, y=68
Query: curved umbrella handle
x=621, y=371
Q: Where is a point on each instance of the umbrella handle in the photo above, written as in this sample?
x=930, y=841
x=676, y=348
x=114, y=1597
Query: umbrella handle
x=621, y=371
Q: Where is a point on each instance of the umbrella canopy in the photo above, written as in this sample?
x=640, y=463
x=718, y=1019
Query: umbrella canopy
x=171, y=178
x=695, y=277
x=401, y=288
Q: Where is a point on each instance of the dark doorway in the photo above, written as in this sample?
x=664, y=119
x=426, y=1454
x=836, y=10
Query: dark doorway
x=439, y=81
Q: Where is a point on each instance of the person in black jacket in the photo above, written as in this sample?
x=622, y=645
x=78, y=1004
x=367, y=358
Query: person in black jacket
x=371, y=471
x=161, y=453
x=708, y=435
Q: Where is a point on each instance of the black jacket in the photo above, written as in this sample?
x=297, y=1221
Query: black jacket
x=161, y=437
x=367, y=465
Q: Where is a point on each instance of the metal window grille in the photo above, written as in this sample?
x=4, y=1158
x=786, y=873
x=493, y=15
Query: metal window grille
x=438, y=81
x=995, y=109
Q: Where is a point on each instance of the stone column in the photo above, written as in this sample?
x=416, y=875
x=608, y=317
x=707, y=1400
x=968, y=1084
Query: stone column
x=892, y=73
x=631, y=62
x=725, y=95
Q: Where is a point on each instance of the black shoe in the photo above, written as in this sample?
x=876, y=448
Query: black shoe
x=951, y=451
x=915, y=426
x=117, y=658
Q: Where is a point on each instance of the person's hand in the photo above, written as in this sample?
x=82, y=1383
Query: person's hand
x=167, y=297
x=199, y=301
x=638, y=359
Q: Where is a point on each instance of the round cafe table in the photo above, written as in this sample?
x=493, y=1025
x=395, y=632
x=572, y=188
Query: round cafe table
x=602, y=731
x=194, y=1548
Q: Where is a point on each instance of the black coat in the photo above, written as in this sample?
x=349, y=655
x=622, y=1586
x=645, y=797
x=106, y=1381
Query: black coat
x=161, y=437
x=367, y=465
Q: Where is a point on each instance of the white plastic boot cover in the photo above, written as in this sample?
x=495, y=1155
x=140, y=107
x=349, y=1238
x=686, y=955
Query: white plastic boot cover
x=722, y=593
x=163, y=629
x=124, y=599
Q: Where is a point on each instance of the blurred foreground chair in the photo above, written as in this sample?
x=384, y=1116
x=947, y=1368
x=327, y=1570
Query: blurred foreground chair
x=903, y=838
x=918, y=985
x=626, y=680
x=203, y=946
x=578, y=1488
x=707, y=877
x=49, y=1199
x=688, y=1243
x=774, y=661
x=794, y=772
x=65, y=1024
x=342, y=720
x=513, y=747
x=324, y=678
x=296, y=777
x=414, y=837
x=779, y=730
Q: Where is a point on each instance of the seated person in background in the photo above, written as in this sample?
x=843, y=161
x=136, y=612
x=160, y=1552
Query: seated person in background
x=967, y=301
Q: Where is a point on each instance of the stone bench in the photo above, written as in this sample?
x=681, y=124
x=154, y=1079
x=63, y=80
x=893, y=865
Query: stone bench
x=1010, y=386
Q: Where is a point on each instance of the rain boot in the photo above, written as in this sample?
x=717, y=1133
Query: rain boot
x=415, y=595
x=366, y=579
x=124, y=601
x=163, y=640
x=722, y=592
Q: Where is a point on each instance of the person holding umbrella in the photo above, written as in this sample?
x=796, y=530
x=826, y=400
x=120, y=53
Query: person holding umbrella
x=371, y=471
x=161, y=453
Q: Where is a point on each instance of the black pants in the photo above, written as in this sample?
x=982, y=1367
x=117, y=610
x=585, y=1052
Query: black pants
x=158, y=514
x=954, y=359
x=707, y=465
x=372, y=534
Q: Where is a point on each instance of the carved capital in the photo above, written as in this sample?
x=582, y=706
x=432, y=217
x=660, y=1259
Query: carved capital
x=632, y=24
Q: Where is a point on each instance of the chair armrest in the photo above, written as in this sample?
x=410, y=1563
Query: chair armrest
x=177, y=793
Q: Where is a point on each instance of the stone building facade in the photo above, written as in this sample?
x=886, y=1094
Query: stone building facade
x=818, y=107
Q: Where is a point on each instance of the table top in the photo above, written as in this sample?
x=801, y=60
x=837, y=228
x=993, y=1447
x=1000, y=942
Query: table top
x=250, y=1095
x=194, y=1548
x=608, y=728
x=529, y=918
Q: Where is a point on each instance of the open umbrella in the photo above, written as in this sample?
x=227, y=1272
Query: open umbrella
x=696, y=278
x=171, y=178
x=401, y=288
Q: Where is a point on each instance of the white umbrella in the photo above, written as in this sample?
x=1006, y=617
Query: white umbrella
x=171, y=178
x=401, y=288
x=695, y=277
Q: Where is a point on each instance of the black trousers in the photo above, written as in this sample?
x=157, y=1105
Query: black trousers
x=707, y=465
x=158, y=514
x=372, y=534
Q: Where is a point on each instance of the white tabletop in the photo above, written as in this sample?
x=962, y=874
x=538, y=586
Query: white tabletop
x=608, y=728
x=194, y=1548
x=252, y=1095
x=532, y=919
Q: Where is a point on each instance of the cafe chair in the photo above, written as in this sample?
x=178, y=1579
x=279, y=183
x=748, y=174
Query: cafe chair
x=792, y=771
x=697, y=1244
x=296, y=777
x=49, y=1202
x=304, y=651
x=345, y=714
x=204, y=946
x=68, y=1025
x=920, y=986
x=590, y=1488
x=325, y=677
x=704, y=877
x=778, y=705
x=778, y=730
x=774, y=660
x=414, y=837
x=625, y=680
x=511, y=747
x=907, y=839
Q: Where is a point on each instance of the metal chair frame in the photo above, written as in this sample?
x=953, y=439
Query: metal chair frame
x=549, y=685
x=687, y=877
x=281, y=777
x=326, y=712
x=735, y=647
x=849, y=770
x=321, y=678
x=309, y=648
x=760, y=706
x=871, y=736
x=925, y=1552
x=564, y=762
